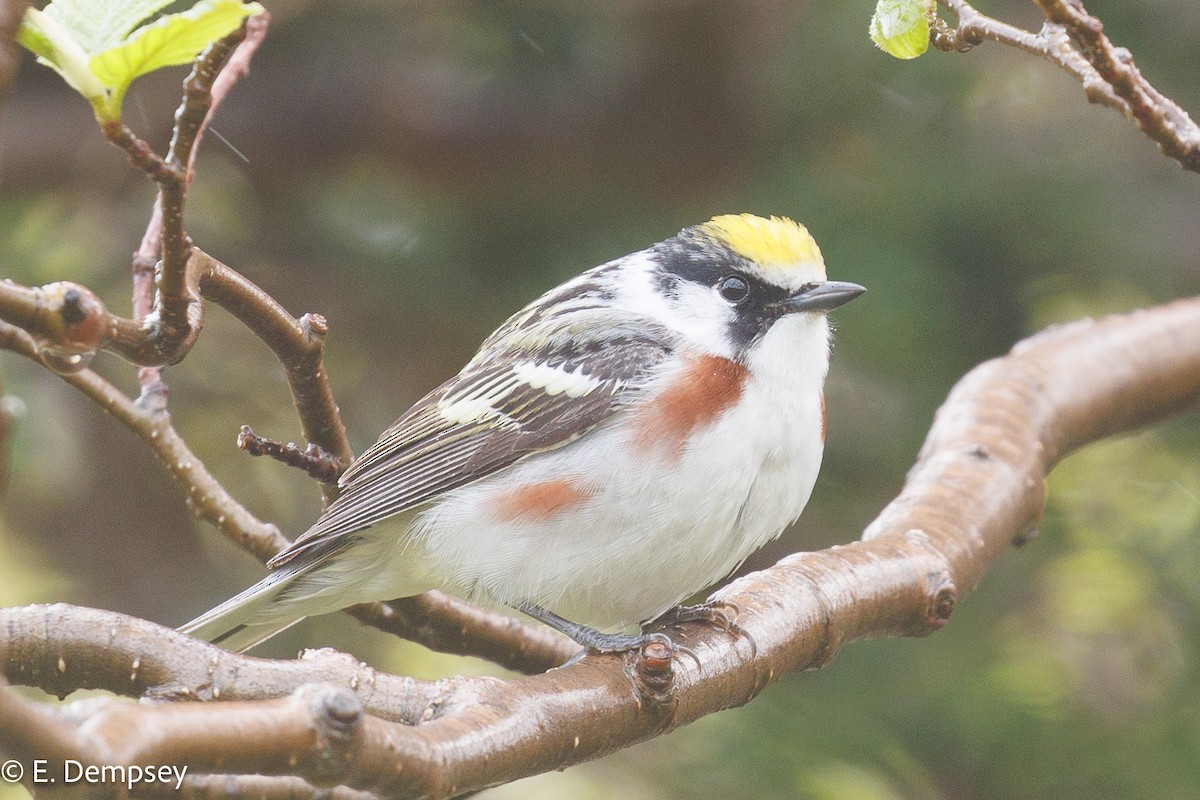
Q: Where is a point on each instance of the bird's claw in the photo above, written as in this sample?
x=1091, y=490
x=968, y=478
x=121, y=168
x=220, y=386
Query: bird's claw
x=719, y=613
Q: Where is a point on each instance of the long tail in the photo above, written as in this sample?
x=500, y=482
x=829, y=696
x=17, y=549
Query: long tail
x=353, y=570
x=252, y=616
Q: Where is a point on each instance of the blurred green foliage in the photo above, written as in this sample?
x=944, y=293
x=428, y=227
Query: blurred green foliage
x=417, y=171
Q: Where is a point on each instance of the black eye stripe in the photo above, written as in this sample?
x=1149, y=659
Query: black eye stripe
x=691, y=262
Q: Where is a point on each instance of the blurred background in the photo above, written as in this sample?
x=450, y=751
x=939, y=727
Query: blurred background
x=418, y=171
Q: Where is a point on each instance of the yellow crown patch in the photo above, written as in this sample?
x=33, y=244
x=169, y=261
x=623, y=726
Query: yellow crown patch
x=774, y=242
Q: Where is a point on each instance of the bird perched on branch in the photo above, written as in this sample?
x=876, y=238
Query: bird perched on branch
x=616, y=446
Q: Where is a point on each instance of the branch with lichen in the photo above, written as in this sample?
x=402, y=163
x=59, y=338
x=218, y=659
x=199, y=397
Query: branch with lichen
x=1074, y=41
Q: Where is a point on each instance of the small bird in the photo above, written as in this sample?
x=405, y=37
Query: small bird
x=621, y=443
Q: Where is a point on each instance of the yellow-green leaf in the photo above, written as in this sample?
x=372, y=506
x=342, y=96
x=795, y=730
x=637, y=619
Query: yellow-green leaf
x=98, y=48
x=57, y=48
x=901, y=27
x=100, y=24
x=170, y=40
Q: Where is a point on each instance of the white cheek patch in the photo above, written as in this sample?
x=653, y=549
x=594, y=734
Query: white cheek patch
x=555, y=380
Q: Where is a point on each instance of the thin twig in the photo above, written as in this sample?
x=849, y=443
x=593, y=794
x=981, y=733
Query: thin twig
x=1156, y=115
x=1075, y=42
x=298, y=344
x=170, y=327
x=1050, y=44
x=318, y=464
x=149, y=251
x=175, y=301
x=70, y=322
x=237, y=66
x=448, y=624
x=140, y=153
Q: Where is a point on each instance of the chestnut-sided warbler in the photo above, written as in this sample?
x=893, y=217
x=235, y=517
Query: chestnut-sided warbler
x=619, y=444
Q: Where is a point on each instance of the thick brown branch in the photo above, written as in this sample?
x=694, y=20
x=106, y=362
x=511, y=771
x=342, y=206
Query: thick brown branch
x=316, y=732
x=259, y=787
x=62, y=649
x=1010, y=420
x=30, y=731
x=976, y=487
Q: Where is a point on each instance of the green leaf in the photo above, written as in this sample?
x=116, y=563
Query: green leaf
x=100, y=24
x=57, y=48
x=99, y=48
x=169, y=40
x=901, y=27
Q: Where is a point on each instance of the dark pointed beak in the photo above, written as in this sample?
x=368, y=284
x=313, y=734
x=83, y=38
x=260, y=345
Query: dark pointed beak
x=823, y=296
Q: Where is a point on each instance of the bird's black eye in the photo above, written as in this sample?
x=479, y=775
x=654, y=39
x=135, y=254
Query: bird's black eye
x=733, y=288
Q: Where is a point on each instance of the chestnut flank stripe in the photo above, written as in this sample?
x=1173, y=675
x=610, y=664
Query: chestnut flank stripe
x=706, y=388
x=537, y=502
